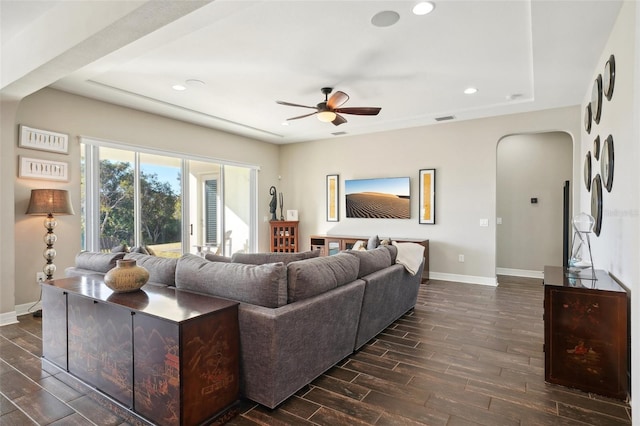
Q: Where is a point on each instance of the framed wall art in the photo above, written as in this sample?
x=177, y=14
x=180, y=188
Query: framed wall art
x=427, y=197
x=332, y=198
x=43, y=140
x=33, y=168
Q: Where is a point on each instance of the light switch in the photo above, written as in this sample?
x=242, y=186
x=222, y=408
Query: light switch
x=499, y=221
x=484, y=222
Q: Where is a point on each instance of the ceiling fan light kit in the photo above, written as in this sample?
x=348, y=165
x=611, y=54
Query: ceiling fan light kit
x=326, y=116
x=329, y=111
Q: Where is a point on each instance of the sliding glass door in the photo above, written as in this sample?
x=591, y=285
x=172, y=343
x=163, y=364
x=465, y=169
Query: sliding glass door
x=167, y=205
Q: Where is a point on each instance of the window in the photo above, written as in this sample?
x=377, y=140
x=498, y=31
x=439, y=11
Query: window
x=165, y=203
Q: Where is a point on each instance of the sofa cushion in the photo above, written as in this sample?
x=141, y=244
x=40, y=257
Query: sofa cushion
x=217, y=258
x=371, y=260
x=263, y=285
x=310, y=277
x=161, y=269
x=393, y=252
x=260, y=258
x=99, y=262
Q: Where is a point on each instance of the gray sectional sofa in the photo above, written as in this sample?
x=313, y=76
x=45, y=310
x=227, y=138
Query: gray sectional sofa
x=299, y=314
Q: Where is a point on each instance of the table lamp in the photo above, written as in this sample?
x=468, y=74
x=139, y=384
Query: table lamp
x=49, y=202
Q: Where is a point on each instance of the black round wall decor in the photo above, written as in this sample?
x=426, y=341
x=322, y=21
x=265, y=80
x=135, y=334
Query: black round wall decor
x=609, y=77
x=596, y=204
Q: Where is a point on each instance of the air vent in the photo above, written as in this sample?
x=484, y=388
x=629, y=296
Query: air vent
x=339, y=133
x=445, y=118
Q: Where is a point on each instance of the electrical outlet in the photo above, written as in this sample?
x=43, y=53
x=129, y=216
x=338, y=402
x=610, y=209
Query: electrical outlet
x=461, y=258
x=40, y=277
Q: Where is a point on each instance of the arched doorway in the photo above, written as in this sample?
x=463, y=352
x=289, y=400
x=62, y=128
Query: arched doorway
x=531, y=171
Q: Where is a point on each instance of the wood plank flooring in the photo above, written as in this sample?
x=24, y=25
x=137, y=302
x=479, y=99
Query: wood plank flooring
x=466, y=355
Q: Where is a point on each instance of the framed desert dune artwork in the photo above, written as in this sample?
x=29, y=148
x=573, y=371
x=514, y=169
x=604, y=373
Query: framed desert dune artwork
x=427, y=201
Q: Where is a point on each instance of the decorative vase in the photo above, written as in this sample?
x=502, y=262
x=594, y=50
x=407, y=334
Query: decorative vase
x=126, y=277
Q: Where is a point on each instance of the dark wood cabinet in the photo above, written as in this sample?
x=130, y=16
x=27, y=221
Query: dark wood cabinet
x=333, y=244
x=170, y=356
x=283, y=236
x=586, y=332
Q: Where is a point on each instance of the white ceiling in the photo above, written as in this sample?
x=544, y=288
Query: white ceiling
x=520, y=55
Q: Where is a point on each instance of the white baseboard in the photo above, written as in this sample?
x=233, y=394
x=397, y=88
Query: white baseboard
x=24, y=309
x=467, y=279
x=7, y=318
x=520, y=273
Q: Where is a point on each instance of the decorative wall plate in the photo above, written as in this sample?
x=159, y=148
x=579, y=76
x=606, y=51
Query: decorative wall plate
x=609, y=77
x=596, y=204
x=606, y=163
x=587, y=118
x=587, y=171
x=596, y=147
x=596, y=99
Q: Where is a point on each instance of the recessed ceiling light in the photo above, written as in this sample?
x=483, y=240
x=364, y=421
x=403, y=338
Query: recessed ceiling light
x=178, y=87
x=285, y=123
x=423, y=8
x=386, y=18
x=470, y=90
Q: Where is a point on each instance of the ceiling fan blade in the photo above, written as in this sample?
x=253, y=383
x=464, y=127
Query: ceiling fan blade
x=302, y=116
x=337, y=99
x=295, y=105
x=339, y=120
x=359, y=110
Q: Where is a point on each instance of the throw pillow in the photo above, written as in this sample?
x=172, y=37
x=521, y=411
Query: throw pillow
x=121, y=248
x=373, y=242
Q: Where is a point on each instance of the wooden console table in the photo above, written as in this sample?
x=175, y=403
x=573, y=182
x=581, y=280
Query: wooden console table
x=586, y=334
x=332, y=244
x=169, y=356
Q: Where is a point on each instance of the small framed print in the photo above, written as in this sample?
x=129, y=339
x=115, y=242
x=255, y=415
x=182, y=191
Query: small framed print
x=33, y=168
x=43, y=140
x=427, y=193
x=292, y=215
x=332, y=198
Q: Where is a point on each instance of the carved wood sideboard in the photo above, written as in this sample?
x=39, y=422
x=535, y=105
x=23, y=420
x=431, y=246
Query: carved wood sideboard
x=169, y=356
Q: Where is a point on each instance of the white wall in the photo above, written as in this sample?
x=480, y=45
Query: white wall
x=531, y=166
x=78, y=116
x=617, y=249
x=464, y=156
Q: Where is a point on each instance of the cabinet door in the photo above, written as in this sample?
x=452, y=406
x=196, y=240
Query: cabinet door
x=83, y=338
x=54, y=325
x=115, y=363
x=334, y=247
x=156, y=369
x=587, y=340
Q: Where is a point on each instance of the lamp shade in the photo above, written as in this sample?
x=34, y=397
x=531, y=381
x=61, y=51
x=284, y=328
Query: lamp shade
x=45, y=201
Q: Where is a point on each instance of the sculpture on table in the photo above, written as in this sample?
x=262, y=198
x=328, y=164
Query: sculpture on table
x=582, y=228
x=281, y=204
x=273, y=204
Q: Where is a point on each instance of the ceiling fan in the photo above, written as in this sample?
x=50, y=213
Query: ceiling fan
x=329, y=110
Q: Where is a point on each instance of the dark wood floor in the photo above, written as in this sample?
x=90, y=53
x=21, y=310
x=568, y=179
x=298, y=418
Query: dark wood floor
x=466, y=355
